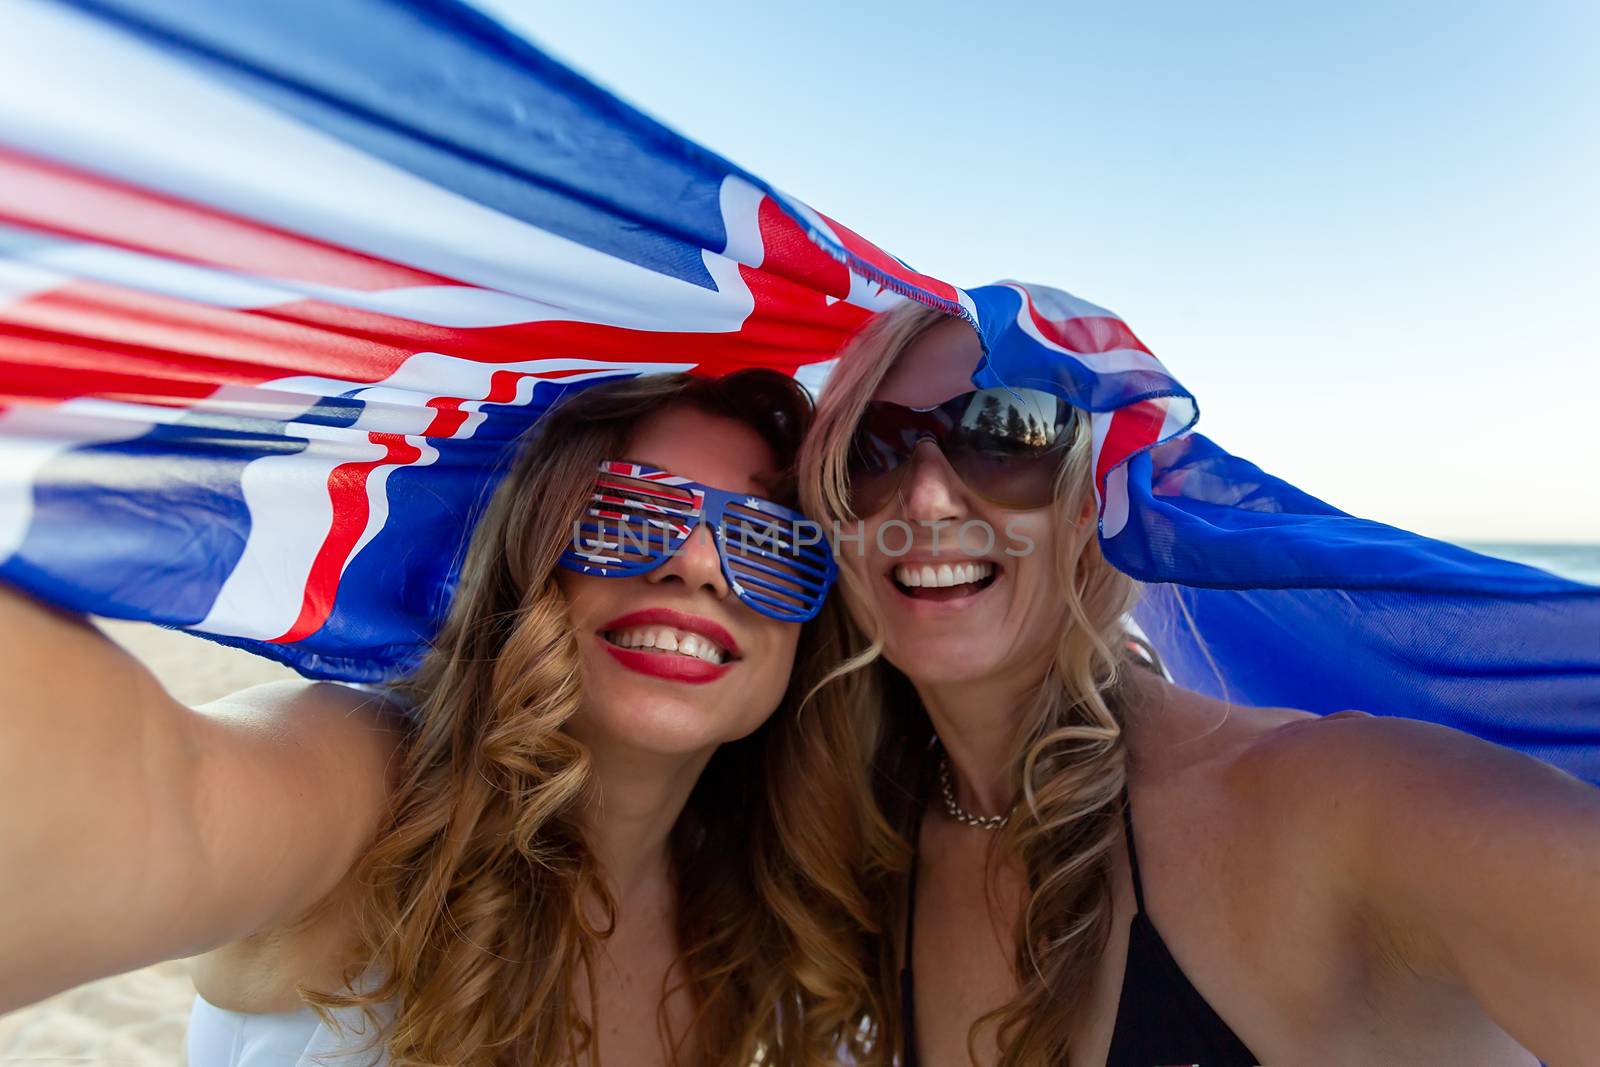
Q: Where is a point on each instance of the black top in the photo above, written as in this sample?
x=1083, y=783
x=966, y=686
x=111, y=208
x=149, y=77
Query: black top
x=1161, y=1017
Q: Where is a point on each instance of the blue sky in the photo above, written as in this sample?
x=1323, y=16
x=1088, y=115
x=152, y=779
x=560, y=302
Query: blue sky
x=1367, y=236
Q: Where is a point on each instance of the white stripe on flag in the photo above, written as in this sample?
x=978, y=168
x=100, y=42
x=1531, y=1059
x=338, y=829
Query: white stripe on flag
x=1115, y=515
x=48, y=263
x=20, y=280
x=1113, y=361
x=1059, y=304
x=290, y=513
x=1180, y=413
x=80, y=92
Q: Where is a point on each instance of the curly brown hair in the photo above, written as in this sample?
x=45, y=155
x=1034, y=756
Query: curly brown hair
x=478, y=896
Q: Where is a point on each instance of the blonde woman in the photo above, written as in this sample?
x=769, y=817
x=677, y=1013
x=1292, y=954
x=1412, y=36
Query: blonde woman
x=1101, y=867
x=601, y=831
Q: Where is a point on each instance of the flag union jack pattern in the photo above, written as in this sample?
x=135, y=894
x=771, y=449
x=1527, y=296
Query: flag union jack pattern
x=619, y=502
x=281, y=284
x=260, y=367
x=775, y=560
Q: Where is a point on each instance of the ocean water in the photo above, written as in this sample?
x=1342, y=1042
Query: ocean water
x=1578, y=562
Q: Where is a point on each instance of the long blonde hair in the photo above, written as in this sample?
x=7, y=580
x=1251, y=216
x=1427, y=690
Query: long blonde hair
x=1069, y=761
x=477, y=897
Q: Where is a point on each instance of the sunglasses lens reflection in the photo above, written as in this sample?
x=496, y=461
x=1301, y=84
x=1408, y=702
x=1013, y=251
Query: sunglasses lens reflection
x=1004, y=444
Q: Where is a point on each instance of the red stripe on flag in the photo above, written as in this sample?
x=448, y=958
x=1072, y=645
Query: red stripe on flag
x=1133, y=428
x=883, y=261
x=24, y=381
x=182, y=341
x=347, y=489
x=170, y=340
x=448, y=417
x=1089, y=334
x=789, y=253
x=109, y=341
x=73, y=203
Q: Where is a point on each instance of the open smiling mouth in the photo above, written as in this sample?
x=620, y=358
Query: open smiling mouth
x=667, y=641
x=944, y=581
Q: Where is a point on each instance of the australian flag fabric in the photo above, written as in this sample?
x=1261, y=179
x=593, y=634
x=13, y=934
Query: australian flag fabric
x=282, y=285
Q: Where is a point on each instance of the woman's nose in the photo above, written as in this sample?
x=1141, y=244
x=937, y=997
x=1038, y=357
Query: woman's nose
x=933, y=491
x=695, y=563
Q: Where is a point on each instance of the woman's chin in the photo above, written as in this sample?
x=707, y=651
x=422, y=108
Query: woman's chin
x=947, y=662
x=656, y=725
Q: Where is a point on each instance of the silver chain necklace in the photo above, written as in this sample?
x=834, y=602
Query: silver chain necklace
x=956, y=811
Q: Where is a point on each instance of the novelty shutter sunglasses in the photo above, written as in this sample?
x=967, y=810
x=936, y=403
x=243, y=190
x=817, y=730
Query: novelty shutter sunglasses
x=775, y=560
x=1005, y=444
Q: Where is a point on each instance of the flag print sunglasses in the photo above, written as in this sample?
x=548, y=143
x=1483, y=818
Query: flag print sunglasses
x=776, y=561
x=1005, y=444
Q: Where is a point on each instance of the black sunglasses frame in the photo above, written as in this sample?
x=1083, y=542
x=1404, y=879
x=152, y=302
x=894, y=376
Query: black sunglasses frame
x=1026, y=429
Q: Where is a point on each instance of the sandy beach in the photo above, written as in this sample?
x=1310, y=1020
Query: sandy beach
x=135, y=1019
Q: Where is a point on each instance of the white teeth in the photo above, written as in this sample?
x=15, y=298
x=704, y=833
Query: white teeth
x=944, y=576
x=667, y=640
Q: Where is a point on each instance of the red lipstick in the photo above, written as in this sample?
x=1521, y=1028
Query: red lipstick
x=666, y=665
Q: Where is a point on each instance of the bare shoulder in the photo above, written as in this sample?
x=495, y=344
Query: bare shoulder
x=323, y=701
x=309, y=749
x=1385, y=872
x=1230, y=871
x=1206, y=813
x=1379, y=761
x=1274, y=754
x=263, y=973
x=1176, y=733
x=1363, y=798
x=1422, y=829
x=1465, y=864
x=323, y=758
x=1272, y=803
x=358, y=728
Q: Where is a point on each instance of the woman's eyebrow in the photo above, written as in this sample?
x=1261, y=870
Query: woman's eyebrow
x=773, y=486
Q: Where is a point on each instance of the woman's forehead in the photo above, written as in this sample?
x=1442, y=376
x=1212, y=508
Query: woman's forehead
x=711, y=449
x=933, y=368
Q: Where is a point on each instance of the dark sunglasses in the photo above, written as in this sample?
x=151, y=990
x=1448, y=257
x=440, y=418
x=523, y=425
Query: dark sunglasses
x=775, y=560
x=1005, y=444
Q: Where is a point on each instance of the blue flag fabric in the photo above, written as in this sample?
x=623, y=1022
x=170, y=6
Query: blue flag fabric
x=1272, y=597
x=281, y=284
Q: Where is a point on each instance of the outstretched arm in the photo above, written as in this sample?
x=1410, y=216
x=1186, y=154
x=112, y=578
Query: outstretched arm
x=135, y=829
x=1481, y=865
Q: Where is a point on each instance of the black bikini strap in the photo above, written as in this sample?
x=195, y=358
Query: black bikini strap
x=1133, y=853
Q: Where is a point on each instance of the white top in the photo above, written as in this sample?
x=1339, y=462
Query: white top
x=222, y=1038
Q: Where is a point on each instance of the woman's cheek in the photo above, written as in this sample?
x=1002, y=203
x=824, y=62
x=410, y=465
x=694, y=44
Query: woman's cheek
x=1031, y=534
x=854, y=587
x=761, y=692
x=787, y=645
